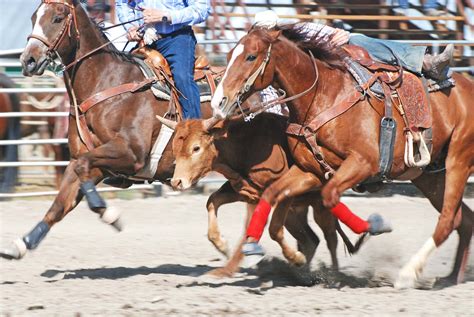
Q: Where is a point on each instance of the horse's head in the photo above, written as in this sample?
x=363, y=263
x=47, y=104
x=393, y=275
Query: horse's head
x=249, y=69
x=54, y=35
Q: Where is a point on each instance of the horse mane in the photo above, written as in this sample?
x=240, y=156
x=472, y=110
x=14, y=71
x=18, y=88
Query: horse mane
x=111, y=49
x=316, y=43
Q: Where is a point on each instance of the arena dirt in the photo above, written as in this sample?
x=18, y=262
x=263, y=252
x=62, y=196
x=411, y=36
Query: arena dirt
x=155, y=266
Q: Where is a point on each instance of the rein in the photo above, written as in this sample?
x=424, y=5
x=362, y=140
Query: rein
x=71, y=18
x=262, y=107
x=78, y=110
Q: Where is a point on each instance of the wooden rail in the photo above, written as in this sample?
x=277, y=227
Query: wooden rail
x=352, y=17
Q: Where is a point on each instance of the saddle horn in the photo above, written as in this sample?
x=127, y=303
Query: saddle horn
x=169, y=123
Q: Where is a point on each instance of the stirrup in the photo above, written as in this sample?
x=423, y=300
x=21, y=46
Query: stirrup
x=425, y=156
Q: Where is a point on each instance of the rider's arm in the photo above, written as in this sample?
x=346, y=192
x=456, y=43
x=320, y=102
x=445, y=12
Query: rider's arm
x=196, y=12
x=125, y=13
x=321, y=32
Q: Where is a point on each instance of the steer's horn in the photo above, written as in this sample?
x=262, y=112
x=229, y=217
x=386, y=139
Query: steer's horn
x=210, y=123
x=167, y=122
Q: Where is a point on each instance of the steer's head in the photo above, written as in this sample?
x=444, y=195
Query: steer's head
x=194, y=150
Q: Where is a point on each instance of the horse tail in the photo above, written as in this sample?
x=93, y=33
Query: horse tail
x=352, y=249
x=9, y=176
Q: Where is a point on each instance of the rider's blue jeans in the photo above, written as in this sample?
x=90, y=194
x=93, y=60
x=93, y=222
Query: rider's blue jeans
x=178, y=49
x=410, y=57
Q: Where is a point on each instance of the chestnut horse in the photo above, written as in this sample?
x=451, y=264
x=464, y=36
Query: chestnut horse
x=123, y=127
x=350, y=142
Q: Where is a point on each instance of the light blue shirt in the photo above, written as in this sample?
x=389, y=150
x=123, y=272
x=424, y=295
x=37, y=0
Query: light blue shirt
x=182, y=12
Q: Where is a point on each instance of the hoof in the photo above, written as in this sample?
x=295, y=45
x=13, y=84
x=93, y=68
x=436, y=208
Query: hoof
x=117, y=225
x=406, y=278
x=444, y=282
x=251, y=260
x=299, y=259
x=111, y=216
x=220, y=272
x=15, y=252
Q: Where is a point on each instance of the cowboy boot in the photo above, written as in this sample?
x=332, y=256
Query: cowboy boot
x=436, y=66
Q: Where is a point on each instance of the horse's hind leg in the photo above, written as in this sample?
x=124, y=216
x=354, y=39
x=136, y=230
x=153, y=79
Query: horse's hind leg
x=68, y=197
x=458, y=164
x=277, y=233
x=432, y=186
x=297, y=225
x=327, y=222
x=116, y=155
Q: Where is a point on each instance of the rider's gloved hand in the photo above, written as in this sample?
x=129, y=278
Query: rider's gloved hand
x=133, y=35
x=339, y=37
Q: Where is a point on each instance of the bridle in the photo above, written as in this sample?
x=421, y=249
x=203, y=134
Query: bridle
x=71, y=21
x=262, y=107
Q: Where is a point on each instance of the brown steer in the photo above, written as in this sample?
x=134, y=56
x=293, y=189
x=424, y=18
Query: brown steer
x=251, y=156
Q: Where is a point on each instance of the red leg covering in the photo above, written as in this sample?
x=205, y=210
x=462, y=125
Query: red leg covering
x=343, y=213
x=259, y=220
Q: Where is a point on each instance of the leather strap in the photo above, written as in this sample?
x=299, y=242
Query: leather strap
x=112, y=92
x=210, y=80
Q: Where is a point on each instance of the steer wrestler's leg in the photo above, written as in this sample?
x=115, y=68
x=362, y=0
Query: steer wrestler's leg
x=68, y=197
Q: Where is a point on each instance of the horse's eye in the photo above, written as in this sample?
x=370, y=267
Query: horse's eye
x=251, y=58
x=196, y=148
x=57, y=19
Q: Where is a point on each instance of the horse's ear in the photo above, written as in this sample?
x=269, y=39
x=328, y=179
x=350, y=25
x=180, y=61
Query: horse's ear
x=274, y=34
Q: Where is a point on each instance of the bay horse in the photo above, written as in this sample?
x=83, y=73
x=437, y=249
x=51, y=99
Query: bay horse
x=123, y=127
x=349, y=143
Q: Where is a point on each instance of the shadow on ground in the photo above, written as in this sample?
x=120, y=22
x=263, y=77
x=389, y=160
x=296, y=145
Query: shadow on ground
x=270, y=273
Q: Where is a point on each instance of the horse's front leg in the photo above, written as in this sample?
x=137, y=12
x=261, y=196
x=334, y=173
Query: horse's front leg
x=68, y=197
x=353, y=170
x=115, y=155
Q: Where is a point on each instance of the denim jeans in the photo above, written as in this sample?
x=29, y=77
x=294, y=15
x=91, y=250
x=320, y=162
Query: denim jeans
x=411, y=57
x=178, y=49
x=428, y=4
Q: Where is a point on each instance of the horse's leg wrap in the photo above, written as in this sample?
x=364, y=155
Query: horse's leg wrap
x=35, y=236
x=259, y=220
x=94, y=200
x=345, y=215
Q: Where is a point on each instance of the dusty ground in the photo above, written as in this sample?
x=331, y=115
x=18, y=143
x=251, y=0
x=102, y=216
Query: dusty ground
x=152, y=268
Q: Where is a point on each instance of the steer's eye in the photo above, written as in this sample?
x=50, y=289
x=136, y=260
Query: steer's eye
x=251, y=58
x=57, y=19
x=196, y=148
